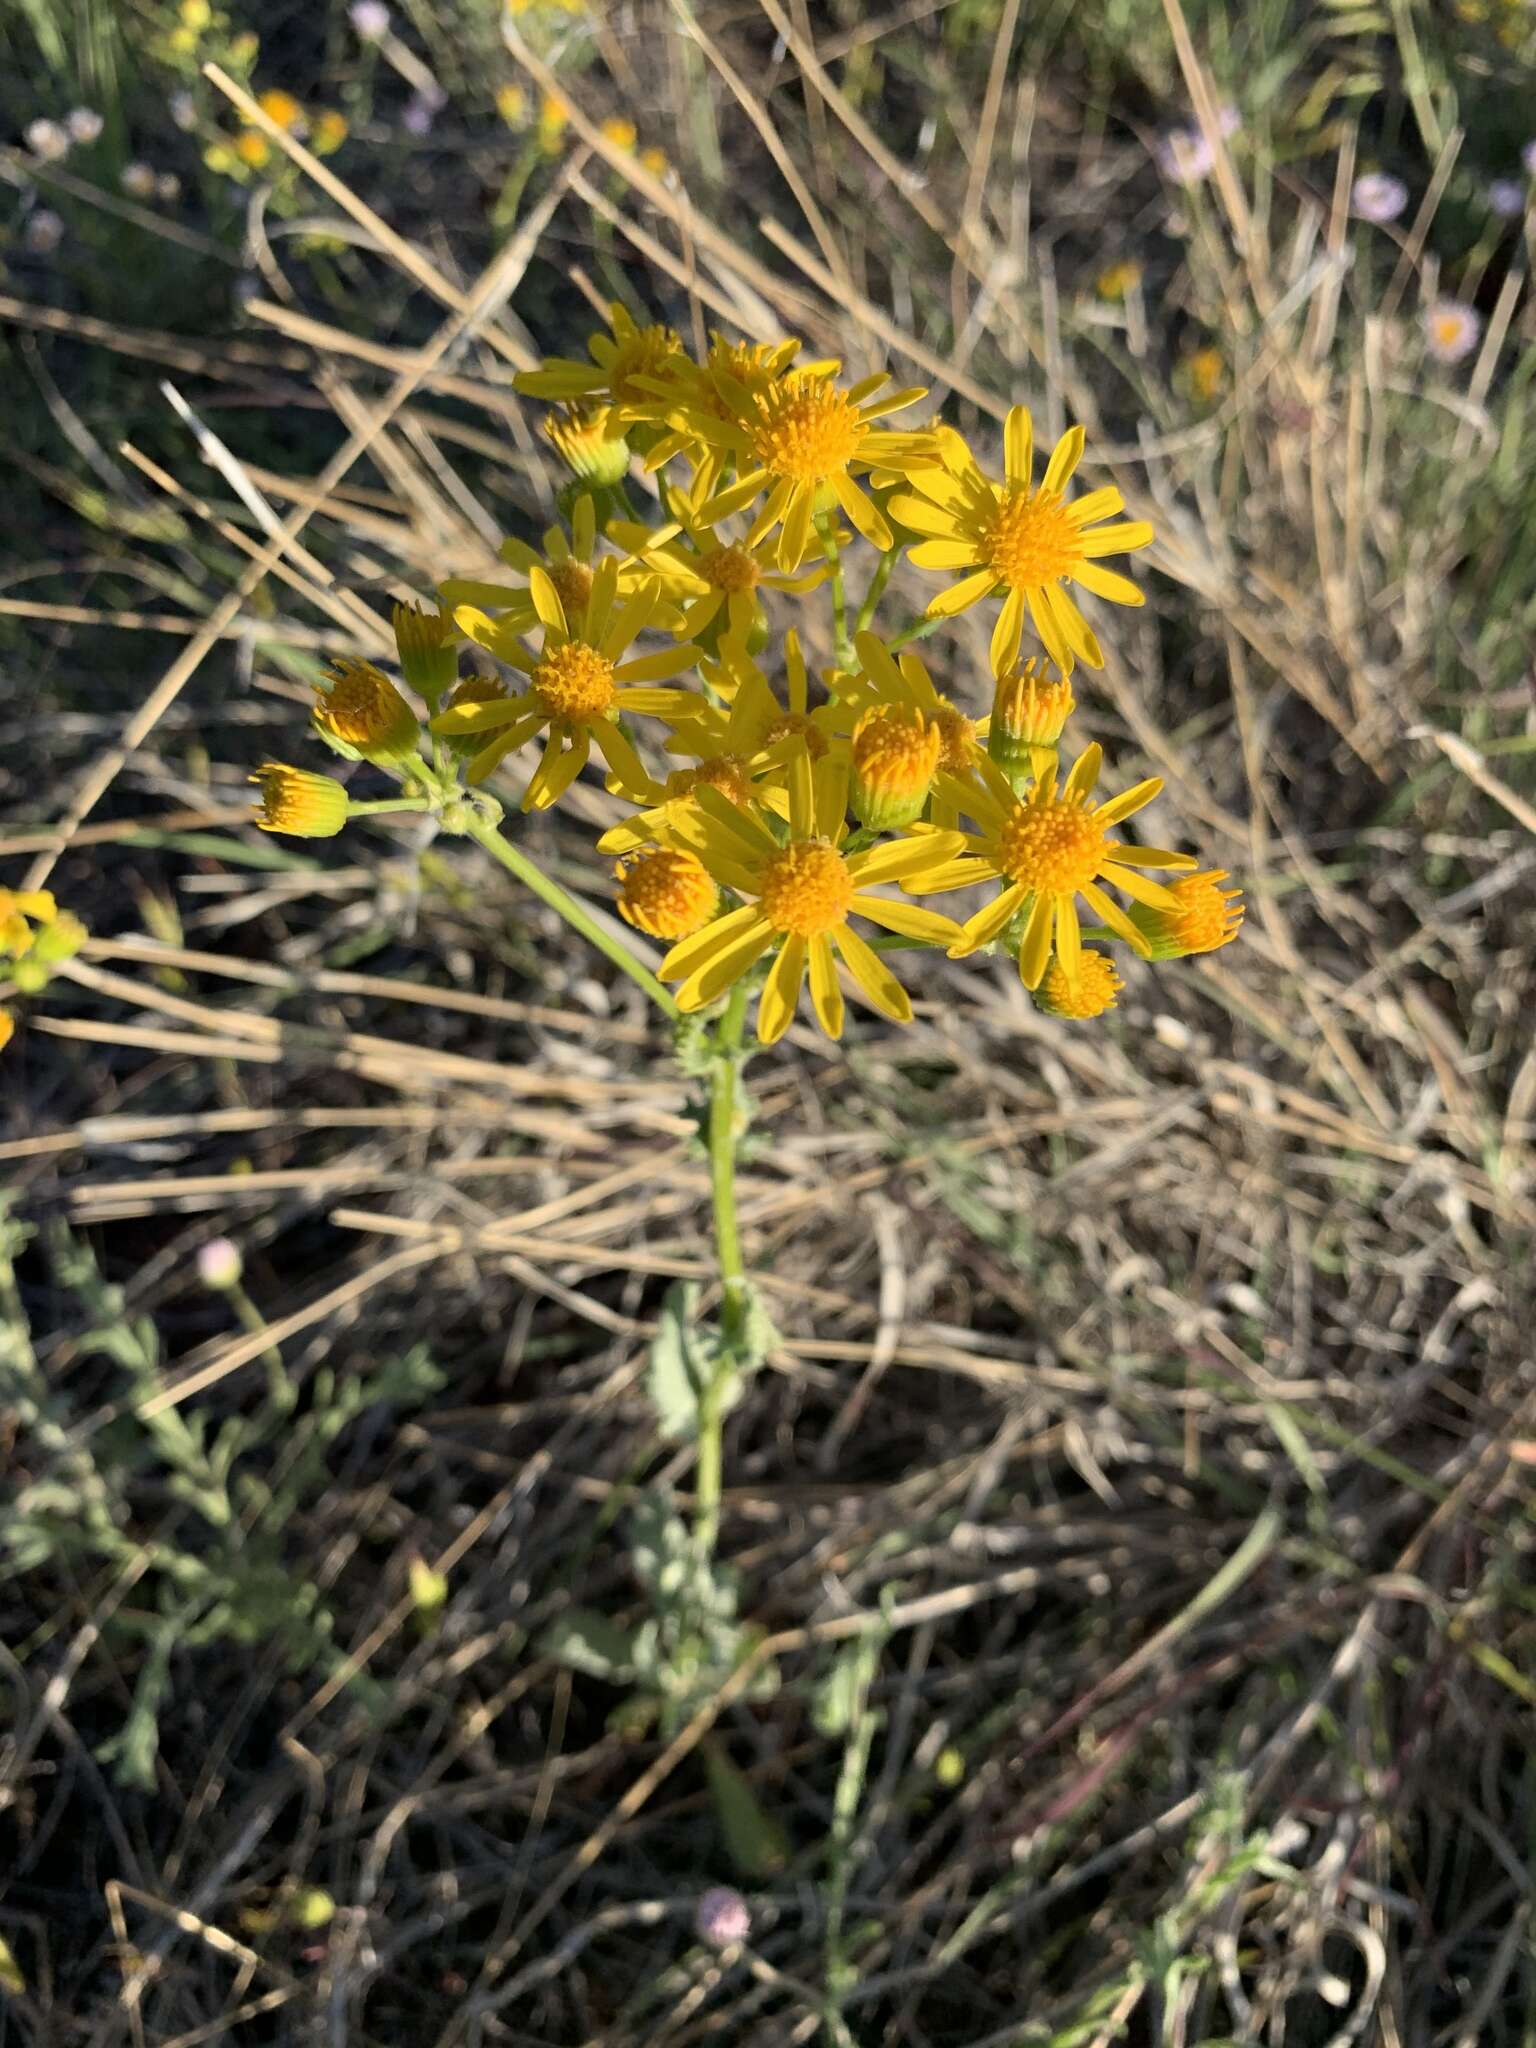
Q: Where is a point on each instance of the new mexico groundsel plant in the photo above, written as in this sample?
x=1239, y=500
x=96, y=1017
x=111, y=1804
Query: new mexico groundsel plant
x=787, y=835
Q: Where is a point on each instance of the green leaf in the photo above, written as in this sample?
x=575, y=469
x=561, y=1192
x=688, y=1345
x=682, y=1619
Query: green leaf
x=679, y=1365
x=755, y=1842
x=584, y=1640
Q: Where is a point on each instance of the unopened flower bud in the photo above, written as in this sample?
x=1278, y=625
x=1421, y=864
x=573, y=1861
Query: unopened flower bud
x=364, y=711
x=895, y=758
x=219, y=1264
x=1207, y=916
x=1029, y=711
x=428, y=649
x=589, y=443
x=1087, y=993
x=294, y=801
x=666, y=892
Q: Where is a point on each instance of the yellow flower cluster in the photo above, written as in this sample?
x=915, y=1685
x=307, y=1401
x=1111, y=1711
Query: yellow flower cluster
x=773, y=819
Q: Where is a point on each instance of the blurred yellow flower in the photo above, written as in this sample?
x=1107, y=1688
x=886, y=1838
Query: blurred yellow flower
x=588, y=442
x=655, y=161
x=1117, y=282
x=196, y=15
x=554, y=117
x=1205, y=373
x=281, y=107
x=330, y=132
x=20, y=909
x=7, y=1029
x=619, y=132
x=512, y=104
x=252, y=148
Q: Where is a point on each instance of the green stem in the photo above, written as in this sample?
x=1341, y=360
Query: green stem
x=876, y=590
x=386, y=803
x=575, y=912
x=915, y=629
x=827, y=528
x=724, y=1076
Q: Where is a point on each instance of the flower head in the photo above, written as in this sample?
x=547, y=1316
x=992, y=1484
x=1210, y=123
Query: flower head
x=1027, y=540
x=1528, y=158
x=714, y=579
x=1029, y=710
x=884, y=678
x=47, y=140
x=1378, y=197
x=282, y=109
x=895, y=752
x=803, y=891
x=569, y=564
x=20, y=909
x=1506, y=197
x=331, y=129
x=361, y=708
x=666, y=892
x=795, y=436
x=588, y=442
x=137, y=180
x=252, y=148
x=7, y=1029
x=369, y=19
x=1451, y=330
x=1184, y=155
x=621, y=133
x=294, y=801
x=219, y=1264
x=1088, y=993
x=1117, y=282
x=84, y=124
x=680, y=390
x=1201, y=917
x=43, y=232
x=1047, y=849
x=722, y=1917
x=619, y=359
x=427, y=644
x=579, y=683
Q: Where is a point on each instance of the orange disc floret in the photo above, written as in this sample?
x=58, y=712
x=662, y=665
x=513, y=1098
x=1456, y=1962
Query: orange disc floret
x=729, y=568
x=361, y=707
x=294, y=801
x=957, y=739
x=805, y=429
x=1030, y=541
x=574, y=684
x=573, y=582
x=728, y=773
x=666, y=892
x=895, y=752
x=1053, y=846
x=1088, y=993
x=806, y=890
x=1206, y=917
x=797, y=725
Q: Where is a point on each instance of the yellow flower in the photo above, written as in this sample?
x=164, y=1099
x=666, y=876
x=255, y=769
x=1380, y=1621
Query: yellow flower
x=59, y=937
x=589, y=444
x=578, y=685
x=1088, y=993
x=884, y=678
x=715, y=581
x=293, y=800
x=7, y=1029
x=1117, y=282
x=618, y=360
x=282, y=108
x=554, y=117
x=252, y=148
x=17, y=906
x=1025, y=540
x=655, y=161
x=666, y=892
x=1202, y=917
x=1204, y=371
x=512, y=104
x=568, y=565
x=681, y=389
x=619, y=132
x=796, y=436
x=362, y=709
x=1029, y=711
x=1047, y=849
x=895, y=753
x=805, y=890
x=330, y=132
x=427, y=644
x=741, y=752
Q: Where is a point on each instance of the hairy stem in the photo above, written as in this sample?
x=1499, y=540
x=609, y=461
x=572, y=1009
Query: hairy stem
x=827, y=528
x=572, y=909
x=914, y=629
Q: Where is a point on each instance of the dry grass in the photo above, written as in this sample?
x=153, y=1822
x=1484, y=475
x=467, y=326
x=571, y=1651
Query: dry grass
x=1160, y=1394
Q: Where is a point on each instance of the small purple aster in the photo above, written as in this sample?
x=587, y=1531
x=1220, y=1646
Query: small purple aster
x=722, y=1917
x=1378, y=197
x=1506, y=198
x=1451, y=330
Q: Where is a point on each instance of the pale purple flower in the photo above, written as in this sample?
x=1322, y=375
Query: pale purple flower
x=167, y=188
x=1377, y=196
x=1451, y=330
x=1528, y=157
x=183, y=110
x=722, y=1917
x=46, y=139
x=369, y=19
x=43, y=232
x=1506, y=198
x=84, y=124
x=137, y=180
x=1228, y=120
x=419, y=115
x=219, y=1264
x=1185, y=155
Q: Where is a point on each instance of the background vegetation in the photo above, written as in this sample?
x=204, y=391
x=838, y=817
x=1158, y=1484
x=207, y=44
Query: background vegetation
x=1138, y=1500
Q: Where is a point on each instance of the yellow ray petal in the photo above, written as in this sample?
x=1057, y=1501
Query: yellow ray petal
x=781, y=992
